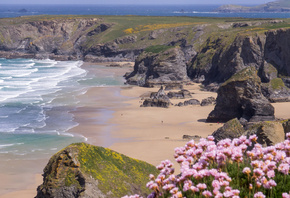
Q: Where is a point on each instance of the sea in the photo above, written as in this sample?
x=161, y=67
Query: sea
x=38, y=96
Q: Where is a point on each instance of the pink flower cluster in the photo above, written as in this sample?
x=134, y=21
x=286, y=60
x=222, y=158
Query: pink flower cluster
x=204, y=168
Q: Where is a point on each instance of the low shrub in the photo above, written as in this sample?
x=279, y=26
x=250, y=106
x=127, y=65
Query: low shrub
x=230, y=168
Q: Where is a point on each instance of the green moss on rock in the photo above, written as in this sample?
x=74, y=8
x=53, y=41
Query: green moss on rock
x=80, y=166
x=277, y=84
x=249, y=73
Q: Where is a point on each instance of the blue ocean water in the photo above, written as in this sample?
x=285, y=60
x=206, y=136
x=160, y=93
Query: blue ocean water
x=146, y=10
x=36, y=101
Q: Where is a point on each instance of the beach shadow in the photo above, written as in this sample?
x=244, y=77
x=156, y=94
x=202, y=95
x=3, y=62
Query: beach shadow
x=202, y=120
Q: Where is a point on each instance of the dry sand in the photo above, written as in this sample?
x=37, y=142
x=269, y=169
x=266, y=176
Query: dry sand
x=148, y=134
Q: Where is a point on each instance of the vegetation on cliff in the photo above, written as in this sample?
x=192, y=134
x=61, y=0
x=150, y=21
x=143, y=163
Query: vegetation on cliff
x=84, y=170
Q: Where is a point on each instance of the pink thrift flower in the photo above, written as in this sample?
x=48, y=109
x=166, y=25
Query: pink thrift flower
x=201, y=186
x=258, y=172
x=194, y=189
x=247, y=170
x=174, y=190
x=219, y=195
x=216, y=184
x=288, y=136
x=132, y=196
x=284, y=168
x=271, y=174
x=259, y=195
x=228, y=194
x=236, y=192
x=207, y=193
x=270, y=184
x=210, y=138
x=286, y=195
x=253, y=138
x=168, y=187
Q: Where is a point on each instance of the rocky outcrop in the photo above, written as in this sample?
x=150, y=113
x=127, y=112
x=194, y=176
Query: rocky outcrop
x=188, y=102
x=182, y=94
x=267, y=52
x=208, y=101
x=159, y=99
x=276, y=91
x=241, y=97
x=159, y=68
x=268, y=133
x=231, y=129
x=83, y=170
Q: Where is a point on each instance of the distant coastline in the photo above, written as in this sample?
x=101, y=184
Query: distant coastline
x=11, y=11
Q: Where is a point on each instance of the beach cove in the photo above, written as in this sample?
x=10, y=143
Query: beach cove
x=112, y=117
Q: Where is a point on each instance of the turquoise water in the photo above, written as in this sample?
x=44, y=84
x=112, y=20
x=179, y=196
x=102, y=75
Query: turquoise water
x=36, y=101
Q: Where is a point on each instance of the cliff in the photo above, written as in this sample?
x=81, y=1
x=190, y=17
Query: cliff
x=274, y=6
x=165, y=49
x=159, y=66
x=83, y=170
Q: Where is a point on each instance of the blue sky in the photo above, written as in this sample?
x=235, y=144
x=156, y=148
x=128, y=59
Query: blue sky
x=133, y=1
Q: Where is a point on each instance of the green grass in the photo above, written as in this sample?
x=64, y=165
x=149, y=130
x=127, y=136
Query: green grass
x=158, y=48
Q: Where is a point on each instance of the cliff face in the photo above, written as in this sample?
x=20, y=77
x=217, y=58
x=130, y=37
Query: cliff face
x=268, y=52
x=241, y=97
x=82, y=170
x=49, y=37
x=159, y=68
x=208, y=50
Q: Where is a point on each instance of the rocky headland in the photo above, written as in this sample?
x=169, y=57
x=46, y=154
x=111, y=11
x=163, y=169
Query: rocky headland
x=274, y=6
x=170, y=50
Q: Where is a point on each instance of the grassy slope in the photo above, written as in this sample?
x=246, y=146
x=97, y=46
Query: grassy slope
x=142, y=26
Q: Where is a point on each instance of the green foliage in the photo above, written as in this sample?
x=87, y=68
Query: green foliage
x=70, y=179
x=158, y=48
x=114, y=171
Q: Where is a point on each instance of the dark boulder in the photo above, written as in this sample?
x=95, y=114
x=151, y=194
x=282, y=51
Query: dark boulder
x=180, y=94
x=208, y=101
x=269, y=133
x=159, y=99
x=241, y=97
x=231, y=129
x=188, y=102
x=191, y=102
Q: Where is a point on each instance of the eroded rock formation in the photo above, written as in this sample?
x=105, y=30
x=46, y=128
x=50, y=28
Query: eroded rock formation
x=241, y=97
x=159, y=68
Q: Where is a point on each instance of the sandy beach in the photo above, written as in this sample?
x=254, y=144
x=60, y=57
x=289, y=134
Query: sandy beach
x=112, y=117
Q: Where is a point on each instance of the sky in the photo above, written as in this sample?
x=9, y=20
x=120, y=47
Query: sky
x=242, y=2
